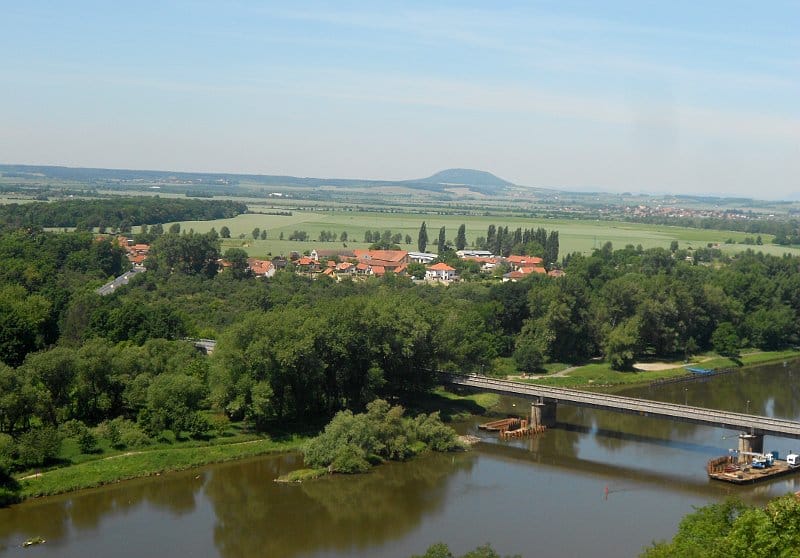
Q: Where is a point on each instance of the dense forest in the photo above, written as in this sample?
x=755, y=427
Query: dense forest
x=115, y=213
x=295, y=349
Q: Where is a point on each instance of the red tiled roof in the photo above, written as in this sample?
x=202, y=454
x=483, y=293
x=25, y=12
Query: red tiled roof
x=259, y=267
x=378, y=270
x=532, y=269
x=362, y=267
x=328, y=271
x=344, y=266
x=441, y=266
x=305, y=260
x=520, y=260
x=389, y=256
x=331, y=263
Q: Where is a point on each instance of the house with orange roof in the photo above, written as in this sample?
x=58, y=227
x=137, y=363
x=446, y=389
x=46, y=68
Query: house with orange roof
x=260, y=268
x=440, y=272
x=137, y=260
x=345, y=268
x=388, y=259
x=513, y=276
x=518, y=262
x=532, y=269
x=307, y=265
x=362, y=269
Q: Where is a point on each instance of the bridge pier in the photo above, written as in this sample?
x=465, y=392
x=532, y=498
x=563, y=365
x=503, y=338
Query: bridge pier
x=543, y=414
x=753, y=443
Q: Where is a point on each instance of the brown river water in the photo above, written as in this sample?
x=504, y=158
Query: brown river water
x=544, y=496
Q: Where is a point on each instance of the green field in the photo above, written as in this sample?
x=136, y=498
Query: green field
x=574, y=235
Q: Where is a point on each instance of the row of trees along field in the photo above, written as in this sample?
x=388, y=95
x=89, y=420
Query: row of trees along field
x=119, y=213
x=295, y=349
x=498, y=240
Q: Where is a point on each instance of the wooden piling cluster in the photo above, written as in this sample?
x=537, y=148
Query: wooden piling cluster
x=719, y=464
x=502, y=424
x=513, y=427
x=523, y=431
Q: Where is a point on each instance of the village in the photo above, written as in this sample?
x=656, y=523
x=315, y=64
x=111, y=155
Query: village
x=341, y=264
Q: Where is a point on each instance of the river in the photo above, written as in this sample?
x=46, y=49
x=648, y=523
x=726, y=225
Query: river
x=544, y=496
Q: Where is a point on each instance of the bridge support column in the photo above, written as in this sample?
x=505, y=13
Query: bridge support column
x=543, y=414
x=753, y=443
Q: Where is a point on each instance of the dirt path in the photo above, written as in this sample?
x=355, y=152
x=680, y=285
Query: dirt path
x=656, y=366
x=559, y=374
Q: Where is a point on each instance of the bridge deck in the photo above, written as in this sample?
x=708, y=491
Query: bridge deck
x=696, y=415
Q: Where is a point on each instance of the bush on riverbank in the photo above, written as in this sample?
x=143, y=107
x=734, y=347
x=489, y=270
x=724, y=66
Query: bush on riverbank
x=733, y=528
x=351, y=443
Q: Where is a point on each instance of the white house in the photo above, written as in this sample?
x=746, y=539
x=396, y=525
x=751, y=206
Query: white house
x=440, y=272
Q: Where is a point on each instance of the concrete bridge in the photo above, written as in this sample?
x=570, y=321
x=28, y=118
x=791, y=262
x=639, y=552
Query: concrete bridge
x=545, y=400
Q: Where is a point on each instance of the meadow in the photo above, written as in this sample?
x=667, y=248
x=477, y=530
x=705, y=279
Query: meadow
x=574, y=235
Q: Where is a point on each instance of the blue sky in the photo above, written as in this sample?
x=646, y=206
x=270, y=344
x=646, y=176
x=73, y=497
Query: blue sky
x=682, y=97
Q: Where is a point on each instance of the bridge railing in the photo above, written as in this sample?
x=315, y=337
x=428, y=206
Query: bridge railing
x=697, y=415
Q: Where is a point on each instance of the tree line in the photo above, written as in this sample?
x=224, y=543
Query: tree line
x=116, y=213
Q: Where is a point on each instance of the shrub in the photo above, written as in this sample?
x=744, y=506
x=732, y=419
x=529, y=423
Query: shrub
x=123, y=433
x=350, y=442
x=38, y=446
x=134, y=437
x=219, y=424
x=87, y=441
x=72, y=428
x=430, y=430
x=196, y=425
x=349, y=459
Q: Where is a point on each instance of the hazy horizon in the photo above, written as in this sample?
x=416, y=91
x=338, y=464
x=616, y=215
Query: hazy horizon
x=619, y=97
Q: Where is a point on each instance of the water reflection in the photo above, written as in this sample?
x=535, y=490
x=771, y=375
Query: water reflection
x=61, y=518
x=256, y=517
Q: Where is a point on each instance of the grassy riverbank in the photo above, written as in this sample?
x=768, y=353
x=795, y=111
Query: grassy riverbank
x=148, y=462
x=108, y=466
x=599, y=375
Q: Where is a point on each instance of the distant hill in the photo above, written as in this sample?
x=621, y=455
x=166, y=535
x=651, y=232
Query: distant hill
x=226, y=183
x=466, y=177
